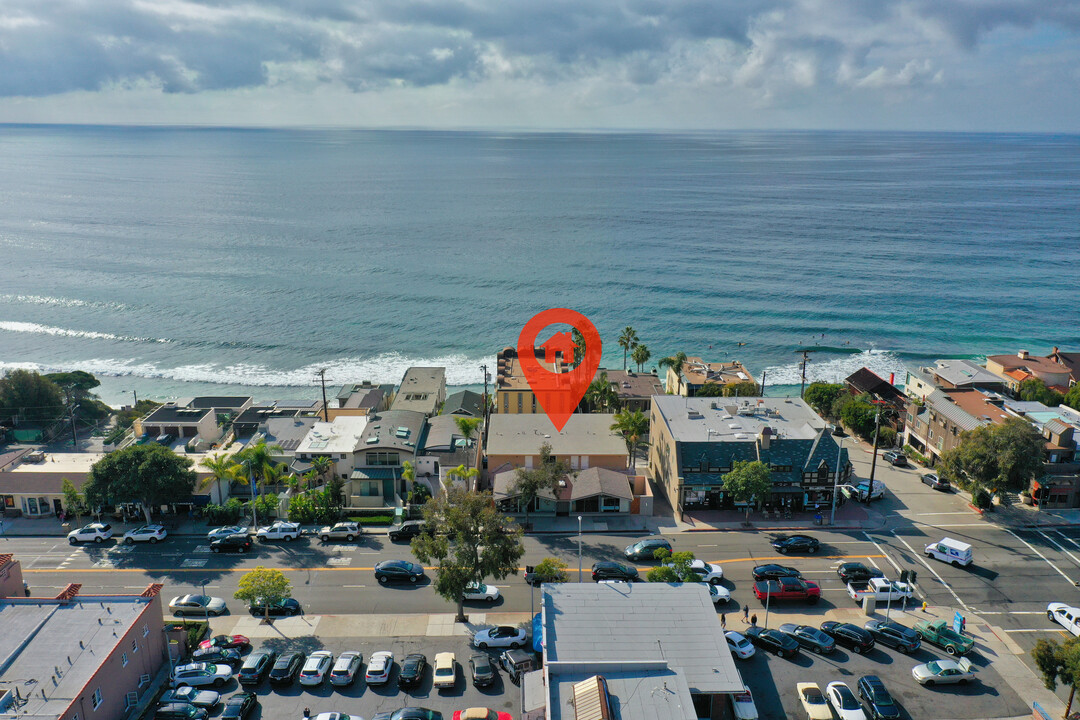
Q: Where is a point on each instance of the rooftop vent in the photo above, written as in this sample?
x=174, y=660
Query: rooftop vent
x=694, y=414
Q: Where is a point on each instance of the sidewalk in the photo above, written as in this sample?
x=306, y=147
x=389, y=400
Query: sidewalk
x=852, y=516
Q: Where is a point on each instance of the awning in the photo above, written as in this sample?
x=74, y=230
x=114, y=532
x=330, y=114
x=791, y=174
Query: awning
x=375, y=474
x=788, y=490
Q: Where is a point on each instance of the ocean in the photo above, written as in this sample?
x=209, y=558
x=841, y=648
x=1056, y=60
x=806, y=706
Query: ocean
x=180, y=261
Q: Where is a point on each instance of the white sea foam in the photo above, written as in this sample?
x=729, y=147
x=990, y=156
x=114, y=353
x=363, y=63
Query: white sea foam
x=60, y=302
x=835, y=369
x=35, y=328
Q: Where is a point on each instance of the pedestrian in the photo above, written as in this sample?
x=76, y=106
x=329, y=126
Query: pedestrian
x=746, y=613
x=1, y=527
x=753, y=619
x=723, y=621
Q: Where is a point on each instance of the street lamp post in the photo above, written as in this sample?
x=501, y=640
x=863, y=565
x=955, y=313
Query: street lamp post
x=579, y=548
x=836, y=480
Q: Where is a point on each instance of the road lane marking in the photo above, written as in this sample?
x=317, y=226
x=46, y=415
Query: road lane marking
x=1011, y=612
x=708, y=546
x=883, y=553
x=1025, y=630
x=1032, y=548
x=1066, y=537
x=1054, y=543
x=927, y=566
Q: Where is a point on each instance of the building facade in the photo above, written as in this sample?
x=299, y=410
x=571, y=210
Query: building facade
x=585, y=441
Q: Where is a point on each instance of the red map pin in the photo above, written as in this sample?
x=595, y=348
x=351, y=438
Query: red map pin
x=558, y=392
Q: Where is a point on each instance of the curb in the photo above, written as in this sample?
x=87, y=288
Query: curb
x=771, y=528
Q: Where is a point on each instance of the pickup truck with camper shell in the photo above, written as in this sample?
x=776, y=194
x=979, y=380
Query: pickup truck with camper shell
x=880, y=589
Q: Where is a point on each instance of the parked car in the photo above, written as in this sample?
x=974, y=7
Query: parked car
x=256, y=667
x=277, y=608
x=407, y=530
x=516, y=663
x=742, y=705
x=645, y=549
x=479, y=713
x=315, y=669
x=501, y=637
x=708, y=572
x=844, y=702
x=813, y=701
x=279, y=530
x=857, y=572
x=231, y=543
x=809, y=637
x=409, y=713
x=445, y=670
x=1064, y=615
x=147, y=534
x=774, y=572
x=938, y=632
x=937, y=483
x=345, y=668
x=944, y=672
x=878, y=701
x=740, y=647
x=481, y=592
x=412, y=670
x=191, y=696
x=482, y=670
x=608, y=570
x=347, y=531
x=226, y=531
x=226, y=641
x=200, y=675
x=398, y=571
x=197, y=605
x=239, y=706
x=796, y=543
x=287, y=667
x=853, y=637
x=379, y=666
x=774, y=641
x=719, y=594
x=787, y=588
x=894, y=635
x=179, y=711
x=895, y=457
x=229, y=656
x=94, y=532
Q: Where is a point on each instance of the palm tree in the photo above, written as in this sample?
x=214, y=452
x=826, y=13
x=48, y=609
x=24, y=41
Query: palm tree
x=464, y=473
x=322, y=465
x=255, y=466
x=640, y=356
x=600, y=395
x=467, y=427
x=632, y=426
x=676, y=363
x=579, y=345
x=627, y=341
x=222, y=468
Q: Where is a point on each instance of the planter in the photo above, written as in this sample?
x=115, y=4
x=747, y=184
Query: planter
x=1026, y=499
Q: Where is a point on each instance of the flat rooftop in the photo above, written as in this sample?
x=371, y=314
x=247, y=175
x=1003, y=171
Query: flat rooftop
x=510, y=376
x=737, y=419
x=341, y=436
x=583, y=434
x=699, y=372
x=659, y=693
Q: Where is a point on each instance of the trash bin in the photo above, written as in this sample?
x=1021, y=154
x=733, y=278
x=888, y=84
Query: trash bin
x=819, y=520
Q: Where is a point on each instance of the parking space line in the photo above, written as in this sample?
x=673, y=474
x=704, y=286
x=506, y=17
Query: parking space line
x=1032, y=548
x=1027, y=630
x=1054, y=543
x=927, y=566
x=883, y=553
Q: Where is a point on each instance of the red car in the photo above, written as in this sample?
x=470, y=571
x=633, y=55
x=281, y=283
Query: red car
x=479, y=713
x=226, y=641
x=787, y=588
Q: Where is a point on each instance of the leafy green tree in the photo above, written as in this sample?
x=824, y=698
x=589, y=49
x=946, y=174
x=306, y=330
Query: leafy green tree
x=640, y=356
x=302, y=509
x=633, y=426
x=551, y=570
x=74, y=501
x=628, y=340
x=822, y=395
x=747, y=388
x=857, y=415
x=76, y=387
x=1035, y=390
x=1059, y=663
x=1072, y=398
x=749, y=480
x=710, y=390
x=674, y=567
x=150, y=475
x=529, y=483
x=126, y=418
x=676, y=362
x=27, y=395
x=267, y=586
x=471, y=542
x=1003, y=457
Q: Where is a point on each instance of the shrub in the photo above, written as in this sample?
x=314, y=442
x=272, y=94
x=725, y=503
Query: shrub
x=301, y=509
x=916, y=455
x=981, y=499
x=886, y=437
x=373, y=519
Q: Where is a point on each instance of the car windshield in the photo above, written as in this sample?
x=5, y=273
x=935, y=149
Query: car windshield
x=847, y=699
x=813, y=696
x=933, y=667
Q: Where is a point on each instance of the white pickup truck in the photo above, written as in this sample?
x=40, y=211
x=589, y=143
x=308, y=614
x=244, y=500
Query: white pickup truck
x=279, y=530
x=881, y=589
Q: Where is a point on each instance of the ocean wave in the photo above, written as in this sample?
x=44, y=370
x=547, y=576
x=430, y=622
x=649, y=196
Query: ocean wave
x=61, y=302
x=35, y=328
x=834, y=370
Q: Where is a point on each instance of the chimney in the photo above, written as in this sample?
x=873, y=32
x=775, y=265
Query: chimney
x=1023, y=354
x=765, y=437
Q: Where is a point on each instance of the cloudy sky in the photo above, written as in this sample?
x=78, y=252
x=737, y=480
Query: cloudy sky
x=663, y=64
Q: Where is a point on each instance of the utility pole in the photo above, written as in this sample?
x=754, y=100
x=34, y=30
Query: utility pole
x=802, y=383
x=762, y=383
x=836, y=481
x=74, y=435
x=321, y=372
x=873, y=459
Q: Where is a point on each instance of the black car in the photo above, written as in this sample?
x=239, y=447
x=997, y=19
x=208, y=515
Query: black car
x=240, y=542
x=857, y=572
x=256, y=666
x=238, y=707
x=285, y=606
x=877, y=698
x=179, y=711
x=483, y=670
x=407, y=530
x=287, y=668
x=409, y=713
x=936, y=482
x=608, y=570
x=219, y=655
x=796, y=543
x=853, y=637
x=775, y=641
x=894, y=635
x=774, y=572
x=398, y=571
x=895, y=457
x=809, y=637
x=412, y=670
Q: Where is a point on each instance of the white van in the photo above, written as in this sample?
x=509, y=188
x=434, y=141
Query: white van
x=950, y=551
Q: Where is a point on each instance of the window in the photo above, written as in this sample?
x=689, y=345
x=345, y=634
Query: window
x=75, y=716
x=134, y=646
x=145, y=630
x=534, y=403
x=96, y=699
x=519, y=402
x=131, y=700
x=144, y=680
x=370, y=488
x=123, y=659
x=506, y=403
x=611, y=505
x=383, y=459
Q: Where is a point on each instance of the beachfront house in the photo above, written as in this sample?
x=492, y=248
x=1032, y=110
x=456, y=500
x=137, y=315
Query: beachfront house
x=423, y=390
x=696, y=374
x=585, y=441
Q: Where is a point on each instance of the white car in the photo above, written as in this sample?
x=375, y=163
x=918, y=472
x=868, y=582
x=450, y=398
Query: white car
x=445, y=670
x=336, y=716
x=199, y=674
x=709, y=572
x=739, y=645
x=503, y=636
x=743, y=705
x=1066, y=616
x=844, y=702
x=197, y=605
x=378, y=668
x=94, y=532
x=345, y=669
x=480, y=591
x=719, y=594
x=279, y=530
x=223, y=532
x=315, y=669
x=346, y=531
x=147, y=533
x=192, y=696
